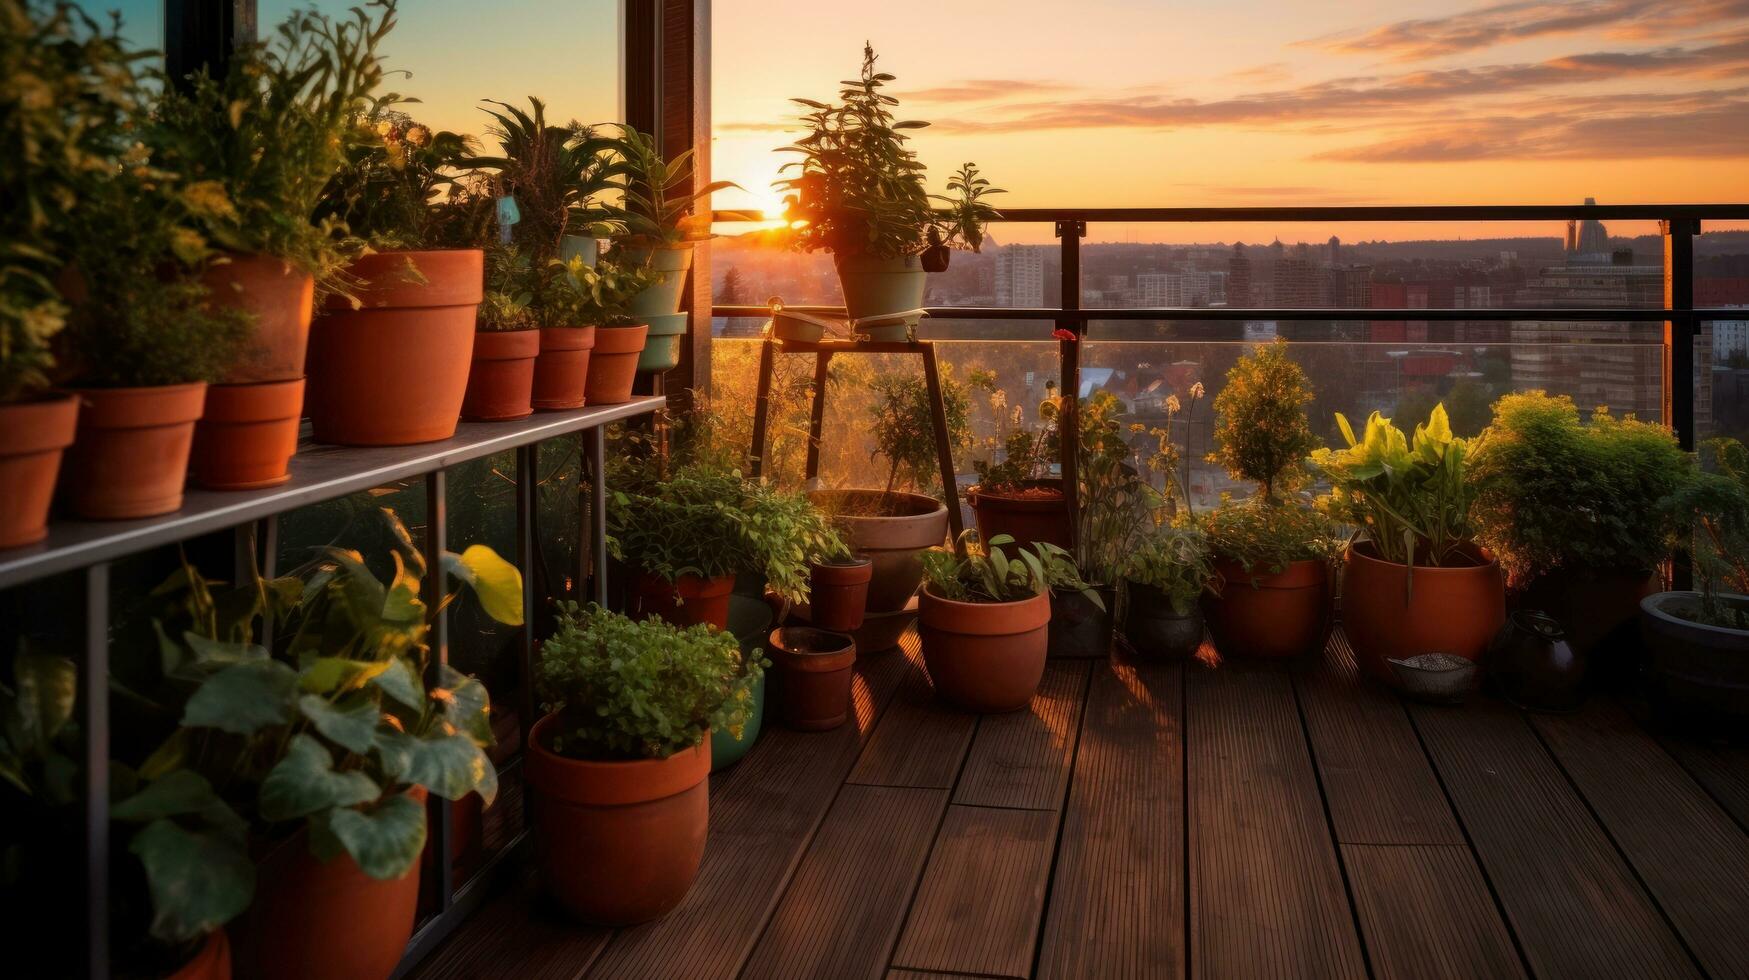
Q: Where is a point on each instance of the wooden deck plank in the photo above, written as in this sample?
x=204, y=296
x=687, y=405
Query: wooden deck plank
x=1690, y=853
x=521, y=928
x=1722, y=769
x=1266, y=890
x=1022, y=759
x=1425, y=913
x=759, y=828
x=842, y=913
x=1380, y=787
x=921, y=740
x=977, y=910
x=1569, y=897
x=1117, y=895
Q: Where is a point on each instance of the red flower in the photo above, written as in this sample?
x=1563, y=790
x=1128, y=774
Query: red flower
x=1067, y=336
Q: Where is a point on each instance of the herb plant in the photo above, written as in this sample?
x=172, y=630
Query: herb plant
x=557, y=174
x=659, y=200
x=1714, y=503
x=902, y=428
x=511, y=284
x=389, y=193
x=1114, y=498
x=1264, y=536
x=1176, y=561
x=1412, y=497
x=981, y=572
x=1027, y=453
x=577, y=295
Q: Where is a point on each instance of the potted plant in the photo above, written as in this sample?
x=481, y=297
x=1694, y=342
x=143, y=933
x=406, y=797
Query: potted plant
x=266, y=137
x=592, y=304
x=750, y=621
x=1574, y=512
x=1016, y=495
x=838, y=590
x=1416, y=580
x=1272, y=552
x=507, y=339
x=1114, y=502
x=619, y=764
x=858, y=192
x=811, y=674
x=1165, y=577
x=1699, y=641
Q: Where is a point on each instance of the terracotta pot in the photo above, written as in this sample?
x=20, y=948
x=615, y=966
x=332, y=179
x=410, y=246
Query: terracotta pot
x=501, y=375
x=985, y=656
x=1390, y=612
x=211, y=962
x=881, y=632
x=247, y=435
x=130, y=456
x=1701, y=671
x=1155, y=630
x=1274, y=615
x=838, y=593
x=1598, y=610
x=279, y=297
x=810, y=676
x=394, y=371
x=686, y=601
x=1033, y=512
x=892, y=530
x=614, y=364
x=33, y=436
x=325, y=919
x=561, y=373
x=618, y=843
x=1080, y=628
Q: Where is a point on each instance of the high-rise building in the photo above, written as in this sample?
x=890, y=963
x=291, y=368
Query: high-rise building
x=1590, y=237
x=1239, y=277
x=1335, y=245
x=1020, y=276
x=1350, y=286
x=1172, y=289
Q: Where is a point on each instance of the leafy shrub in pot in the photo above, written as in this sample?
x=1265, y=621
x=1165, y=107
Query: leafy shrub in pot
x=1164, y=580
x=659, y=217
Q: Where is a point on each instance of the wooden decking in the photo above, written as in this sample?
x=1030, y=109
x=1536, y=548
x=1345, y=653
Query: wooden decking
x=1167, y=820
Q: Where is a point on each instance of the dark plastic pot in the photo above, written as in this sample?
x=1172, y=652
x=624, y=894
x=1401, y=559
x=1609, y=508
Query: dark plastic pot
x=1155, y=630
x=686, y=601
x=811, y=674
x=1701, y=669
x=1032, y=512
x=838, y=593
x=1259, y=614
x=750, y=621
x=1531, y=664
x=1080, y=629
x=985, y=656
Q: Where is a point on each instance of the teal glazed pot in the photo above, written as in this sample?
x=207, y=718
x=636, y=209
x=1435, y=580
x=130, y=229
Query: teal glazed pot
x=672, y=265
x=662, y=343
x=750, y=620
x=880, y=287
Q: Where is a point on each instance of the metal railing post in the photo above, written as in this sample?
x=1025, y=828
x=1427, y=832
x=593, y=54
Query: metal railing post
x=436, y=543
x=1680, y=329
x=1070, y=232
x=94, y=692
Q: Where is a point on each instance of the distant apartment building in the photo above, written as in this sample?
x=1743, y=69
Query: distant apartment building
x=1239, y=278
x=1020, y=276
x=1730, y=337
x=1299, y=284
x=1172, y=289
x=1350, y=286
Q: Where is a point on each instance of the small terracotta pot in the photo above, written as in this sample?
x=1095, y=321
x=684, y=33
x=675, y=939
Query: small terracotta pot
x=1030, y=513
x=838, y=593
x=1388, y=614
x=618, y=843
x=278, y=296
x=561, y=373
x=687, y=601
x=393, y=372
x=130, y=457
x=247, y=435
x=1272, y=615
x=613, y=366
x=811, y=674
x=985, y=656
x=893, y=530
x=33, y=436
x=211, y=962
x=501, y=376
x=325, y=919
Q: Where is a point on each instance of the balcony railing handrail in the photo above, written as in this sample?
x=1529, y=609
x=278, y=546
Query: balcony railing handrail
x=1366, y=212
x=1224, y=313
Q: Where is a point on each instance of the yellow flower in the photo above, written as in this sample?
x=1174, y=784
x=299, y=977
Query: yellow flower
x=1196, y=390
x=1173, y=404
x=207, y=198
x=418, y=135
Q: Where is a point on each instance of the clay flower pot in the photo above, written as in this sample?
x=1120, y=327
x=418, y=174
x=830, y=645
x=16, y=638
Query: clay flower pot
x=501, y=377
x=1157, y=631
x=1449, y=609
x=247, y=435
x=393, y=372
x=211, y=962
x=687, y=601
x=33, y=436
x=130, y=456
x=1032, y=512
x=892, y=529
x=985, y=656
x=810, y=675
x=618, y=843
x=278, y=297
x=614, y=364
x=838, y=593
x=561, y=372
x=1273, y=615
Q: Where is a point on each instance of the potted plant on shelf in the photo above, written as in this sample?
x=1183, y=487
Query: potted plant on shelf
x=858, y=192
x=1416, y=581
x=1271, y=596
x=507, y=340
x=1165, y=578
x=589, y=328
x=619, y=764
x=1574, y=512
x=266, y=137
x=1016, y=495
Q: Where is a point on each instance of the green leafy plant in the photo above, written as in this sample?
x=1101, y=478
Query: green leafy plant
x=557, y=174
x=511, y=285
x=1177, y=561
x=977, y=571
x=1261, y=431
x=1265, y=535
x=620, y=689
x=900, y=421
x=390, y=192
x=1027, y=452
x=1167, y=460
x=1714, y=503
x=858, y=188
x=574, y=294
x=38, y=737
x=1114, y=498
x=659, y=199
x=1411, y=497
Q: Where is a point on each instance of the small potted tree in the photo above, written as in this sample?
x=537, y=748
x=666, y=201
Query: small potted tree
x=620, y=763
x=1165, y=577
x=858, y=192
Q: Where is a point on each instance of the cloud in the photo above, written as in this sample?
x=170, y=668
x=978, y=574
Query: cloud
x=1486, y=27
x=978, y=90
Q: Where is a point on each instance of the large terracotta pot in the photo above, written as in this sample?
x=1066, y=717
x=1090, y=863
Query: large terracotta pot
x=130, y=456
x=618, y=843
x=1032, y=512
x=838, y=593
x=211, y=962
x=278, y=296
x=1390, y=612
x=686, y=601
x=1598, y=610
x=614, y=364
x=501, y=375
x=394, y=371
x=811, y=674
x=33, y=436
x=893, y=530
x=247, y=435
x=1701, y=671
x=1263, y=614
x=985, y=656
x=561, y=373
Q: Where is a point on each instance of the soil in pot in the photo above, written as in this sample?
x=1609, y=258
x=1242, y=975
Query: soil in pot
x=1080, y=628
x=811, y=674
x=838, y=593
x=501, y=375
x=561, y=372
x=34, y=435
x=1701, y=670
x=618, y=843
x=247, y=435
x=279, y=298
x=686, y=601
x=613, y=365
x=1273, y=615
x=393, y=372
x=130, y=455
x=1390, y=611
x=1598, y=610
x=893, y=530
x=985, y=656
x=1155, y=630
x=1029, y=513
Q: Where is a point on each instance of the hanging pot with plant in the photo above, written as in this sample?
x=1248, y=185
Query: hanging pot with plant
x=660, y=223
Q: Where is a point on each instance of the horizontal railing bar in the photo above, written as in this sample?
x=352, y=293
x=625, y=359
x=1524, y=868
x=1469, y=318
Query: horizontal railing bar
x=1233, y=313
x=1382, y=212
